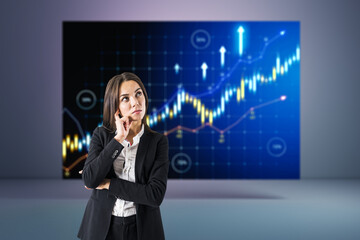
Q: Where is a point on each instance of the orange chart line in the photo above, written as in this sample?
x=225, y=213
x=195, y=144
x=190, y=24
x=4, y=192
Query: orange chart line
x=67, y=169
x=227, y=128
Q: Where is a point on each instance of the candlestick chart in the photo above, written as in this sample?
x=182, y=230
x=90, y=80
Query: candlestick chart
x=226, y=94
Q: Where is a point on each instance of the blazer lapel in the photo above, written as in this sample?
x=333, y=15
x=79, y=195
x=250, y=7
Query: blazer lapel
x=141, y=153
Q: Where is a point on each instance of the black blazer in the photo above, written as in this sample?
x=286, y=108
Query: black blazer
x=151, y=172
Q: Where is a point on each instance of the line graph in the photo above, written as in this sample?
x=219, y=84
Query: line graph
x=225, y=77
x=208, y=124
x=250, y=82
x=226, y=94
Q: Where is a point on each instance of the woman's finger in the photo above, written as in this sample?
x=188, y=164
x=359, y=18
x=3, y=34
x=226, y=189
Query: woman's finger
x=120, y=125
x=116, y=115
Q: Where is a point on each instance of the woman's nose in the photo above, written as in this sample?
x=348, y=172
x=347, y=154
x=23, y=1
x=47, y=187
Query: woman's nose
x=134, y=101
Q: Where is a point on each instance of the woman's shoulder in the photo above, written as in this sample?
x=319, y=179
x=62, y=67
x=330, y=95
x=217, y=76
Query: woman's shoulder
x=103, y=131
x=155, y=135
x=103, y=134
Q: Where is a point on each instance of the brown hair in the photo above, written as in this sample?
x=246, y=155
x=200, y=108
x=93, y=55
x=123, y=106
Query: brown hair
x=112, y=98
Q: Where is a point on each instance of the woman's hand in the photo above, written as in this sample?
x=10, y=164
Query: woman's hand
x=103, y=185
x=122, y=126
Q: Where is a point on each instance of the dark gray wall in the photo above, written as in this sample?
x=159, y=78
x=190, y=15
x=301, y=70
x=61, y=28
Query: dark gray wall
x=31, y=74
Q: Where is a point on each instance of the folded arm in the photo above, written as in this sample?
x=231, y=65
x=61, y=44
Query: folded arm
x=152, y=193
x=100, y=159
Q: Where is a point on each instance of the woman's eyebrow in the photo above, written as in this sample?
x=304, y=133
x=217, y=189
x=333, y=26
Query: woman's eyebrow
x=126, y=94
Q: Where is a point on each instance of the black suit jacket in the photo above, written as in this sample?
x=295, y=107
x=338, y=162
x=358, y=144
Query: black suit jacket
x=151, y=172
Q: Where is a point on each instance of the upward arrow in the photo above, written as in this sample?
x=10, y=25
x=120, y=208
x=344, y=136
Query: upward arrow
x=204, y=67
x=222, y=51
x=176, y=68
x=241, y=31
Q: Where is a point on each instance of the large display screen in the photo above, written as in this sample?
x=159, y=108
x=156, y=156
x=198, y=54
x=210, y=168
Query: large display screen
x=226, y=94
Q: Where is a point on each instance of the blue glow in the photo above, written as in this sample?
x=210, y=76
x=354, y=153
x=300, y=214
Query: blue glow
x=176, y=68
x=298, y=53
x=179, y=102
x=222, y=56
x=241, y=40
x=155, y=119
x=222, y=104
x=254, y=84
x=277, y=65
x=175, y=110
x=204, y=67
x=88, y=137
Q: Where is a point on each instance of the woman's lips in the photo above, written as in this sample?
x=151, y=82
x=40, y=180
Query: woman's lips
x=137, y=111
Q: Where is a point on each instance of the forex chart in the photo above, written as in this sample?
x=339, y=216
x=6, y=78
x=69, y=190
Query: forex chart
x=226, y=94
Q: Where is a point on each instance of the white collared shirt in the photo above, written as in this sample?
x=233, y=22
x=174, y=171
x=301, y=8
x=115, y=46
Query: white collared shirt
x=124, y=166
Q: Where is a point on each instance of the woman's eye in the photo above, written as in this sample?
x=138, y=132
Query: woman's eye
x=139, y=93
x=124, y=99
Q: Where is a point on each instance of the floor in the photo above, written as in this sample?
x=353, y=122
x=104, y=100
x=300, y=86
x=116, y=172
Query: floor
x=199, y=210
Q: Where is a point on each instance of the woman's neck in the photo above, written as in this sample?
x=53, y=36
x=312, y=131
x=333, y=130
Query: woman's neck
x=135, y=128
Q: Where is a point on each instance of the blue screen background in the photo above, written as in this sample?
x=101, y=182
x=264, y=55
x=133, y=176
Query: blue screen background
x=247, y=124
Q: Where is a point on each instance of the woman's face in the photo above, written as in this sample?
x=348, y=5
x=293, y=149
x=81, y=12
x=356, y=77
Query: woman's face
x=132, y=101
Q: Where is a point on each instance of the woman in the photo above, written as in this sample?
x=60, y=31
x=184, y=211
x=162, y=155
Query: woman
x=127, y=168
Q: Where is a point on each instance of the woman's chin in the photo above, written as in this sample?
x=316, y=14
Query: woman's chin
x=136, y=119
x=137, y=116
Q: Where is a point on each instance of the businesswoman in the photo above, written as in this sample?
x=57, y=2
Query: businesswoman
x=126, y=168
